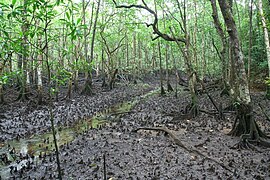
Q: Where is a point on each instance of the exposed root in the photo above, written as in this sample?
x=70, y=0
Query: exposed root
x=225, y=92
x=169, y=87
x=192, y=110
x=247, y=128
x=218, y=108
x=162, y=91
x=245, y=125
x=213, y=112
x=247, y=143
x=87, y=90
x=180, y=144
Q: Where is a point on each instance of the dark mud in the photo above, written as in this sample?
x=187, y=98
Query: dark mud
x=148, y=154
x=21, y=119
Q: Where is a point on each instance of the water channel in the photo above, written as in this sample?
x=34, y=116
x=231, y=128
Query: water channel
x=17, y=154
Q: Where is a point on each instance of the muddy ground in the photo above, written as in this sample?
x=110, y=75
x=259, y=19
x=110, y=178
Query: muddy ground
x=144, y=154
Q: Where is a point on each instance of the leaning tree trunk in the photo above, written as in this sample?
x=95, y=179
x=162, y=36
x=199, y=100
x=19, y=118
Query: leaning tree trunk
x=245, y=125
x=222, y=52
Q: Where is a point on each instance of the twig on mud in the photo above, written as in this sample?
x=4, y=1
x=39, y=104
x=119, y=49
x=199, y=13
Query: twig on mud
x=219, y=109
x=213, y=112
x=180, y=144
x=120, y=113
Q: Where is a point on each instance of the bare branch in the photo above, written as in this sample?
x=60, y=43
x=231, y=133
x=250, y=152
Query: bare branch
x=155, y=38
x=180, y=24
x=118, y=45
x=154, y=24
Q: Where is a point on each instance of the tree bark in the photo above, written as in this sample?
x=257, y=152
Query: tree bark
x=241, y=79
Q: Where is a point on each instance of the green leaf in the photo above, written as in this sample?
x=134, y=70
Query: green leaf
x=79, y=20
x=68, y=15
x=6, y=33
x=9, y=15
x=14, y=2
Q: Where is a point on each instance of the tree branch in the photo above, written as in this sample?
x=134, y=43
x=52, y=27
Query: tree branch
x=154, y=24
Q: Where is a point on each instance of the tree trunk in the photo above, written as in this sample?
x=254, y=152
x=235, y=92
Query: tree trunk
x=76, y=71
x=127, y=51
x=39, y=74
x=222, y=52
x=250, y=39
x=23, y=91
x=266, y=35
x=88, y=84
x=1, y=84
x=169, y=87
x=39, y=69
x=162, y=91
x=247, y=128
x=267, y=43
x=1, y=94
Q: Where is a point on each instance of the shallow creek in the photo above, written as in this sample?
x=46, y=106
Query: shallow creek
x=16, y=155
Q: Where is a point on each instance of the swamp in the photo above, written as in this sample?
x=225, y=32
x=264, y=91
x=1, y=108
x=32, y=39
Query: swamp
x=139, y=89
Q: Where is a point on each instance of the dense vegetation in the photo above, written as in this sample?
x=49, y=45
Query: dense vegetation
x=54, y=41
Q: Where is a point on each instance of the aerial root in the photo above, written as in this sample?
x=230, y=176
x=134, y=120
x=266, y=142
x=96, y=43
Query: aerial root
x=247, y=143
x=192, y=110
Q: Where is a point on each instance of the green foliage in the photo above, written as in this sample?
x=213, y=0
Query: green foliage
x=267, y=81
x=236, y=104
x=61, y=76
x=63, y=21
x=7, y=77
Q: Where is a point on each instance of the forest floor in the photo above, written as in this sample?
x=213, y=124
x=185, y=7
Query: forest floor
x=112, y=143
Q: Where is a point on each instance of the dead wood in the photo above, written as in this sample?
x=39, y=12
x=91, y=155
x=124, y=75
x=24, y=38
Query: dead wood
x=213, y=112
x=180, y=144
x=219, y=109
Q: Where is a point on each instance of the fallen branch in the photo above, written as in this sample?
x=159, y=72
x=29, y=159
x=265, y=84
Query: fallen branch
x=213, y=112
x=120, y=113
x=180, y=144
